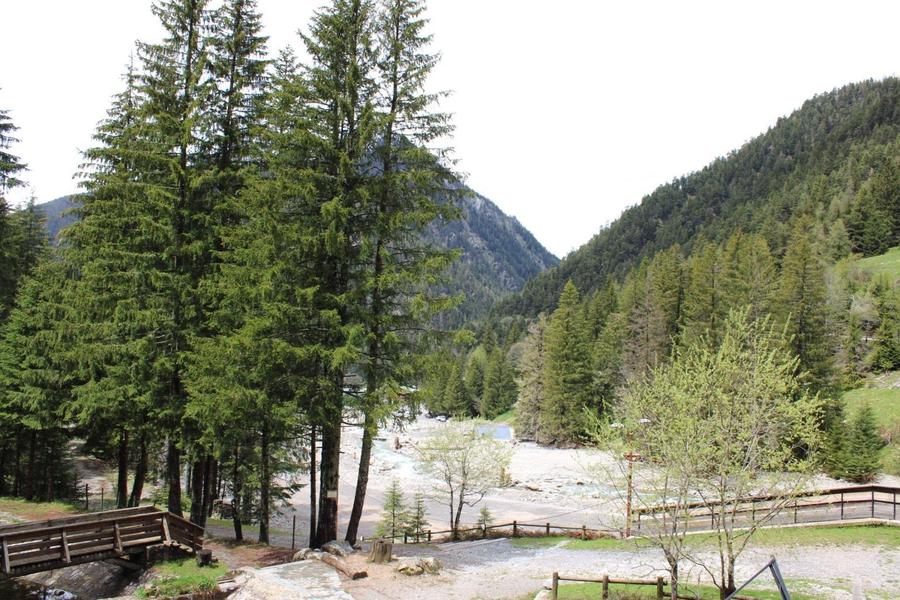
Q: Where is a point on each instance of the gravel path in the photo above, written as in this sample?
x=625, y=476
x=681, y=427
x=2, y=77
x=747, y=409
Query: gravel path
x=500, y=570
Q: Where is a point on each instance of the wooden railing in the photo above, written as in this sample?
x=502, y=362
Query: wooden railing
x=515, y=527
x=56, y=543
x=660, y=584
x=850, y=503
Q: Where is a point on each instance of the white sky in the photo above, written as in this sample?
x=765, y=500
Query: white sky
x=567, y=111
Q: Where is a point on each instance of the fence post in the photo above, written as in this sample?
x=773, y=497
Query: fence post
x=660, y=593
x=795, y=511
x=873, y=503
x=515, y=529
x=404, y=537
x=842, y=506
x=605, y=594
x=895, y=506
x=429, y=535
x=584, y=532
x=293, y=532
x=483, y=530
x=548, y=529
x=87, y=497
x=554, y=589
x=102, y=489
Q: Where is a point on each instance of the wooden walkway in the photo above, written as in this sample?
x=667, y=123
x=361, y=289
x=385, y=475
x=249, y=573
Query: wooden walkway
x=115, y=534
x=850, y=503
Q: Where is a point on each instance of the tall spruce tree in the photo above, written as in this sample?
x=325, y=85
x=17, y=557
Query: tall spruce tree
x=404, y=201
x=177, y=92
x=800, y=302
x=114, y=248
x=10, y=169
x=236, y=68
x=705, y=305
x=567, y=373
x=343, y=124
x=531, y=380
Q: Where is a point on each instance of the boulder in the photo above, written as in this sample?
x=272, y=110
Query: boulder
x=431, y=565
x=307, y=554
x=409, y=566
x=340, y=548
x=418, y=566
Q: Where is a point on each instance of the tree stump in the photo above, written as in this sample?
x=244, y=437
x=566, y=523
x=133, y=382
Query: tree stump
x=381, y=551
x=204, y=558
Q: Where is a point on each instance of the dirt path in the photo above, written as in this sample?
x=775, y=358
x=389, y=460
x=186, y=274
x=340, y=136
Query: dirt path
x=499, y=570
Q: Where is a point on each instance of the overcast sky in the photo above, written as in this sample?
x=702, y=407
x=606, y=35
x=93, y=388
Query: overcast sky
x=566, y=111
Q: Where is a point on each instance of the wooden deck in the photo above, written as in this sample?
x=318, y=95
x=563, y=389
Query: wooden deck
x=116, y=534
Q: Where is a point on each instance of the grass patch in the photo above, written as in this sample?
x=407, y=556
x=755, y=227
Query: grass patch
x=182, y=577
x=885, y=402
x=247, y=527
x=883, y=264
x=592, y=591
x=507, y=418
x=873, y=535
x=23, y=510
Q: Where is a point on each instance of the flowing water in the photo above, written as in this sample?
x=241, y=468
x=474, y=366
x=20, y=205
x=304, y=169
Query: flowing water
x=21, y=590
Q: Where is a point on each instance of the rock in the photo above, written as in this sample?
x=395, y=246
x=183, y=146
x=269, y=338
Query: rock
x=532, y=488
x=431, y=565
x=548, y=583
x=340, y=548
x=307, y=554
x=409, y=566
x=418, y=566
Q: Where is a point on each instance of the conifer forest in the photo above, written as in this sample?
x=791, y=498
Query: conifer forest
x=271, y=250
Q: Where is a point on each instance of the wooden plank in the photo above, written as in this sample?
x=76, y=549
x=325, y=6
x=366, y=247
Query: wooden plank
x=167, y=537
x=67, y=558
x=118, y=538
x=5, y=557
x=66, y=521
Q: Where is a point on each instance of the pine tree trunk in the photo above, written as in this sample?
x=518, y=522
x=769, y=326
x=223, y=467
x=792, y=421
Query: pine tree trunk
x=236, y=499
x=140, y=474
x=3, y=450
x=173, y=475
x=17, y=474
x=312, y=484
x=29, y=478
x=48, y=473
x=197, y=470
x=210, y=487
x=264, y=486
x=362, y=478
x=326, y=530
x=122, y=481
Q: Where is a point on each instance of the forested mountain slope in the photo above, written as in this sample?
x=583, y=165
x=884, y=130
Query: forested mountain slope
x=820, y=153
x=498, y=255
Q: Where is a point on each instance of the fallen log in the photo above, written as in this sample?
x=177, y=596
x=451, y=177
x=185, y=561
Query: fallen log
x=342, y=567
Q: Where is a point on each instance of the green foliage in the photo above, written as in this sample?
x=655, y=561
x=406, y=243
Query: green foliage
x=862, y=462
x=499, y=393
x=531, y=380
x=568, y=377
x=485, y=517
x=417, y=522
x=395, y=520
x=800, y=298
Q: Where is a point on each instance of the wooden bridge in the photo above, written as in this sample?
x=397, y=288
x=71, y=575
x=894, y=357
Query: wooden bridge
x=123, y=534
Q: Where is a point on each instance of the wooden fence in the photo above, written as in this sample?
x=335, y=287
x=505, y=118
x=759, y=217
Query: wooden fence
x=605, y=582
x=515, y=528
x=116, y=534
x=660, y=583
x=817, y=506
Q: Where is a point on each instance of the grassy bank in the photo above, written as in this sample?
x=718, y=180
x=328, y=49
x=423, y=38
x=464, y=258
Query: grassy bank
x=883, y=264
x=592, y=591
x=874, y=535
x=19, y=510
x=181, y=577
